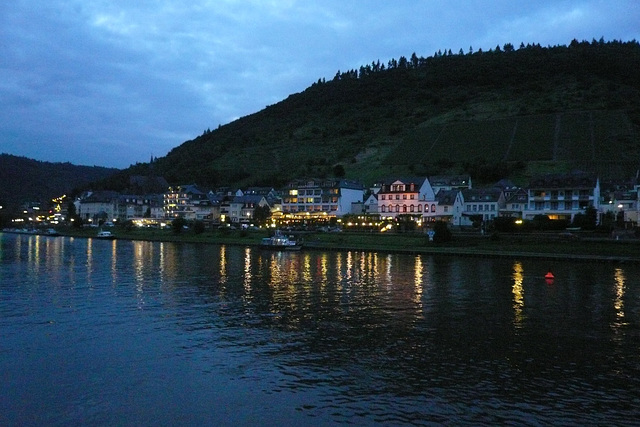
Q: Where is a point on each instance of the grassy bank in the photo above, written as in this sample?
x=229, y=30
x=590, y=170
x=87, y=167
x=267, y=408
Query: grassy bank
x=548, y=246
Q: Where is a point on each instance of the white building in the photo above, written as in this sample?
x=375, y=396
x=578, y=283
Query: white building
x=480, y=205
x=98, y=206
x=331, y=197
x=562, y=196
x=186, y=201
x=449, y=206
x=406, y=196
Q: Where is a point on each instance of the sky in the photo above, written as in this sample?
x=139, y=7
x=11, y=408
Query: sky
x=113, y=82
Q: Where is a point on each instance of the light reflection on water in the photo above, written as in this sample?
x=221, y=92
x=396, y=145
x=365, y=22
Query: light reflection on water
x=518, y=293
x=126, y=332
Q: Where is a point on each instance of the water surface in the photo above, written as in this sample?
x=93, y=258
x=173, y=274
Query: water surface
x=139, y=333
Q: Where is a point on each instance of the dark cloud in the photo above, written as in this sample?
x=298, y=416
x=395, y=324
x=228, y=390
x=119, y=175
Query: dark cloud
x=112, y=82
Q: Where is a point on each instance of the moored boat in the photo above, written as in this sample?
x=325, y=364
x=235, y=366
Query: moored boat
x=106, y=235
x=280, y=242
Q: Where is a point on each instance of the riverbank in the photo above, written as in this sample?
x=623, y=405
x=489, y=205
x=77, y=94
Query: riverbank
x=542, y=246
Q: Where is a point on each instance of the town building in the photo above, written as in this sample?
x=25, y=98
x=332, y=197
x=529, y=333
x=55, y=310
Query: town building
x=240, y=209
x=411, y=196
x=562, y=196
x=449, y=206
x=188, y=202
x=320, y=197
x=516, y=199
x=620, y=202
x=449, y=182
x=481, y=205
x=99, y=206
x=133, y=207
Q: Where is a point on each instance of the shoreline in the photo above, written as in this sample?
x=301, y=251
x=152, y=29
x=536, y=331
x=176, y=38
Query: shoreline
x=542, y=246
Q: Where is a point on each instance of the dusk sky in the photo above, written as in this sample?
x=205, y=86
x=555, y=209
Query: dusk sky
x=112, y=82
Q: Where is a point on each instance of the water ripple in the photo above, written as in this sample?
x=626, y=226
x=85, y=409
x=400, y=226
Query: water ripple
x=97, y=333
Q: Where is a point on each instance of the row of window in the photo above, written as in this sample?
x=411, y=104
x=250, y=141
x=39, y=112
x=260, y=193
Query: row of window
x=405, y=208
x=563, y=206
x=403, y=187
x=566, y=193
x=302, y=200
x=310, y=208
x=316, y=192
x=397, y=197
x=480, y=208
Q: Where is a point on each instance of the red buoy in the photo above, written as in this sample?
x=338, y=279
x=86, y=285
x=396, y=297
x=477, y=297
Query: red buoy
x=548, y=278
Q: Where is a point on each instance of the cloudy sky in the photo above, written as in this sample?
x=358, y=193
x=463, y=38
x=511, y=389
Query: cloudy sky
x=113, y=82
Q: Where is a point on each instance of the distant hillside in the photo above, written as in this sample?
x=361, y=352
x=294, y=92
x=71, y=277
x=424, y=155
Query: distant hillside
x=26, y=180
x=505, y=112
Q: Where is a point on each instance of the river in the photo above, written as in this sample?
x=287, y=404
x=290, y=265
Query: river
x=144, y=333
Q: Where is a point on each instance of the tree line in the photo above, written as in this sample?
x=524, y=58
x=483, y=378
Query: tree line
x=417, y=62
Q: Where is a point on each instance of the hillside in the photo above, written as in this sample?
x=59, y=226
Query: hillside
x=25, y=180
x=506, y=112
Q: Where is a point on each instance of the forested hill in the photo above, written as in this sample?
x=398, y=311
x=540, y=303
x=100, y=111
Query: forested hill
x=511, y=111
x=25, y=180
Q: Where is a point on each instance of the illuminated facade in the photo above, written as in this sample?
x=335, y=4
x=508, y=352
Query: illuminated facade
x=240, y=209
x=321, y=196
x=135, y=207
x=188, y=202
x=406, y=196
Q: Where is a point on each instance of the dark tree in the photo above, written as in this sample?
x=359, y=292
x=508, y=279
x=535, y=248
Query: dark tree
x=338, y=171
x=586, y=220
x=261, y=214
x=198, y=227
x=442, y=233
x=414, y=60
x=71, y=211
x=178, y=224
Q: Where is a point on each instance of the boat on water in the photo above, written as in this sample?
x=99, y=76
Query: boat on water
x=281, y=242
x=105, y=235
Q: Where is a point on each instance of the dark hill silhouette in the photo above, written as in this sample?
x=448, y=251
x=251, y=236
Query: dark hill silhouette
x=26, y=180
x=502, y=113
